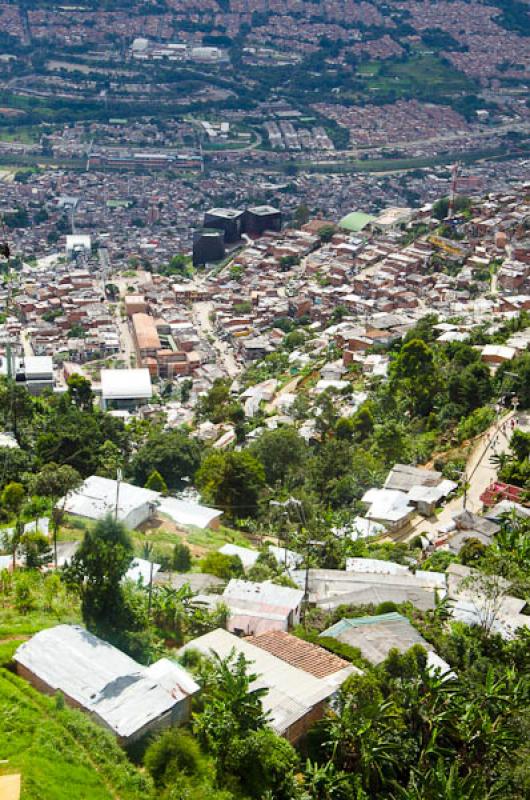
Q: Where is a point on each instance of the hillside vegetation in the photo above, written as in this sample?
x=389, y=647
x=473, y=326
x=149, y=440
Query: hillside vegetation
x=61, y=753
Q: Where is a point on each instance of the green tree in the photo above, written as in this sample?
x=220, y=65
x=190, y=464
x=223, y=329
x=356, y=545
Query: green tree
x=232, y=481
x=56, y=483
x=96, y=573
x=301, y=215
x=326, y=233
x=111, y=459
x=173, y=454
x=156, y=483
x=222, y=566
x=80, y=392
x=17, y=407
x=173, y=754
x=471, y=551
x=13, y=497
x=73, y=437
x=414, y=375
x=213, y=405
x=181, y=558
x=36, y=549
x=264, y=763
x=231, y=708
x=282, y=452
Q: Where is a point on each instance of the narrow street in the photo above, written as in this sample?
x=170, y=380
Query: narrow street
x=225, y=356
x=480, y=472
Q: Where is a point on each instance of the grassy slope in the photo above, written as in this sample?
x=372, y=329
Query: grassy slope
x=61, y=754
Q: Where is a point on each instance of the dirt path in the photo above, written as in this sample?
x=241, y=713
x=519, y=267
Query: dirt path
x=290, y=386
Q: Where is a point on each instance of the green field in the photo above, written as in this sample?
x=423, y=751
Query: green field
x=421, y=77
x=163, y=538
x=60, y=753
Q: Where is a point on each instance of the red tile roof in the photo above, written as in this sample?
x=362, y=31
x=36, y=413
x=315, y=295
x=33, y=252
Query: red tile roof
x=299, y=653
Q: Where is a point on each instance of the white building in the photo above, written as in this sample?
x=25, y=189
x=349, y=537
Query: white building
x=98, y=497
x=125, y=388
x=33, y=372
x=300, y=677
x=260, y=607
x=78, y=243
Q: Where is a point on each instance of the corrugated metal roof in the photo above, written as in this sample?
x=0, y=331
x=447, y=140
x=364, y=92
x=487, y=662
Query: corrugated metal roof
x=376, y=635
x=270, y=595
x=186, y=513
x=404, y=476
x=291, y=694
x=248, y=557
x=124, y=695
x=330, y=588
x=97, y=497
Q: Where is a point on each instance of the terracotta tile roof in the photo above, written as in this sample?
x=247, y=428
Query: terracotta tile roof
x=304, y=655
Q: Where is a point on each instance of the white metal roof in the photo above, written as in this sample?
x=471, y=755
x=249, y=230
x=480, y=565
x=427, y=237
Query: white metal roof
x=185, y=513
x=387, y=504
x=97, y=497
x=140, y=570
x=499, y=351
x=270, y=594
x=248, y=557
x=286, y=557
x=375, y=566
x=125, y=695
x=126, y=384
x=38, y=365
x=291, y=691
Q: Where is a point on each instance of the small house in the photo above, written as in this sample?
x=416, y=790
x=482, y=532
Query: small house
x=121, y=695
x=300, y=677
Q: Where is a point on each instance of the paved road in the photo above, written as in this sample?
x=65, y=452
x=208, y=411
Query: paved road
x=225, y=355
x=480, y=473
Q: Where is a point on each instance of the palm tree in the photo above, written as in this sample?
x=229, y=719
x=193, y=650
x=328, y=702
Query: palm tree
x=363, y=739
x=442, y=782
x=171, y=610
x=325, y=781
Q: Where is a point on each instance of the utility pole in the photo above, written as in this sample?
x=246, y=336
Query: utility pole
x=148, y=550
x=118, y=481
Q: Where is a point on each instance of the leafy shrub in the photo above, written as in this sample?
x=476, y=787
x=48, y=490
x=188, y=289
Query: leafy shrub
x=386, y=608
x=181, y=557
x=222, y=566
x=264, y=763
x=173, y=753
x=475, y=423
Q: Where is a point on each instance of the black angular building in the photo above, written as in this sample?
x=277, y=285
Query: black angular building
x=208, y=246
x=229, y=220
x=259, y=219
